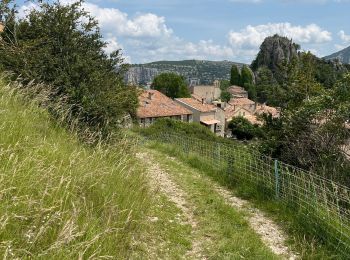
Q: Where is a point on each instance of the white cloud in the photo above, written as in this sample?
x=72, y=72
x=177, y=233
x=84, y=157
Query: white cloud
x=344, y=37
x=146, y=37
x=253, y=36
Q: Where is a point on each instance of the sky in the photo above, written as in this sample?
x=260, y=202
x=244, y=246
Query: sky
x=152, y=30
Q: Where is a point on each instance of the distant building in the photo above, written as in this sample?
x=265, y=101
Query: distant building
x=207, y=93
x=237, y=92
x=155, y=105
x=206, y=114
x=250, y=110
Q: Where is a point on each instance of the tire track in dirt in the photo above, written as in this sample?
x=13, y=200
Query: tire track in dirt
x=161, y=181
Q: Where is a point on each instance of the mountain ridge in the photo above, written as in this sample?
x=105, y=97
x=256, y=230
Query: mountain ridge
x=343, y=56
x=197, y=71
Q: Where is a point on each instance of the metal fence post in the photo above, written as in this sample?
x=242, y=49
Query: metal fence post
x=277, y=181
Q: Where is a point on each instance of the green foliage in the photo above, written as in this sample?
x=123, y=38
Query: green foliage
x=61, y=199
x=246, y=76
x=251, y=88
x=224, y=84
x=61, y=45
x=172, y=85
x=312, y=136
x=173, y=126
x=235, y=76
x=225, y=96
x=243, y=129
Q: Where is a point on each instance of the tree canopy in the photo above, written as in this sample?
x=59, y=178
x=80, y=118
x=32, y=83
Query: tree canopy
x=171, y=85
x=61, y=45
x=235, y=76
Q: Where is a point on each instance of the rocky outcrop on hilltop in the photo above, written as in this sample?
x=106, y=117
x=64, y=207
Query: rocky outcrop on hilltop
x=275, y=50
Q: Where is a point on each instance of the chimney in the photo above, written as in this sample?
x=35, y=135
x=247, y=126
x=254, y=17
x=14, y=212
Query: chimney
x=202, y=100
x=255, y=105
x=150, y=94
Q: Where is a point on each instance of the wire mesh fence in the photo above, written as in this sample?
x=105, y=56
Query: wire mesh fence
x=323, y=204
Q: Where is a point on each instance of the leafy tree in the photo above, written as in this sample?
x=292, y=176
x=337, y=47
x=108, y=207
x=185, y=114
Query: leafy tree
x=172, y=85
x=243, y=129
x=61, y=45
x=235, y=76
x=225, y=96
x=313, y=135
x=224, y=84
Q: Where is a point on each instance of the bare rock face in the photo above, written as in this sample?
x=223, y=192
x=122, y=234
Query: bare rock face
x=275, y=50
x=342, y=56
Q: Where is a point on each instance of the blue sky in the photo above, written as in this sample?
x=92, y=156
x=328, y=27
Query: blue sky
x=150, y=30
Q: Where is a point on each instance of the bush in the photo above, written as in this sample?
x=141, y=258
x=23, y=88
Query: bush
x=61, y=45
x=243, y=129
x=171, y=85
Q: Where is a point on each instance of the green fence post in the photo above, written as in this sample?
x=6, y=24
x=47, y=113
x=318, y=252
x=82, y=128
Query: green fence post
x=277, y=181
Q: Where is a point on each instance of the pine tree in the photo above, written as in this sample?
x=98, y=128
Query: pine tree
x=235, y=76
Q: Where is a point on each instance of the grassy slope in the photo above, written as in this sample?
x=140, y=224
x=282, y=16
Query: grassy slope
x=58, y=198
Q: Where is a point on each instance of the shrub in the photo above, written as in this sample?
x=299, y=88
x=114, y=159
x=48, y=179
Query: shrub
x=243, y=129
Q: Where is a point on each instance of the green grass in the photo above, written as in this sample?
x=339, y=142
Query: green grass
x=292, y=220
x=223, y=231
x=60, y=199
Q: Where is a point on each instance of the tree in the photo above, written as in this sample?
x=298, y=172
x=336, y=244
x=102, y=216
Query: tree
x=235, y=76
x=61, y=45
x=225, y=96
x=171, y=85
x=224, y=84
x=242, y=128
x=251, y=91
x=246, y=76
x=313, y=135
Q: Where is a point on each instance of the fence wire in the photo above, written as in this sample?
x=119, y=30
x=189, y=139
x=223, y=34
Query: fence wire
x=323, y=204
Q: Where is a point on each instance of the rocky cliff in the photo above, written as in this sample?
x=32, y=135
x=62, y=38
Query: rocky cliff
x=343, y=56
x=273, y=51
x=195, y=71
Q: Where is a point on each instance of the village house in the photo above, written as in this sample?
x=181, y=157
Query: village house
x=250, y=110
x=206, y=114
x=155, y=105
x=207, y=93
x=237, y=92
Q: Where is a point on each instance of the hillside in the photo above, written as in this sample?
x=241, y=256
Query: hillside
x=61, y=199
x=343, y=56
x=201, y=71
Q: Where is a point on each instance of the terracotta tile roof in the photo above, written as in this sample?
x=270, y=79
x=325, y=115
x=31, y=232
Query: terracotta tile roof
x=241, y=102
x=197, y=104
x=155, y=104
x=263, y=109
x=196, y=97
x=237, y=91
x=230, y=111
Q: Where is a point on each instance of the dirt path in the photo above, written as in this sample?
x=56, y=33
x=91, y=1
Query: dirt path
x=270, y=233
x=160, y=180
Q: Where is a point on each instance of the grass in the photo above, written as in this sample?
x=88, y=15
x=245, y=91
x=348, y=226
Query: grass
x=165, y=235
x=59, y=198
x=223, y=231
x=293, y=221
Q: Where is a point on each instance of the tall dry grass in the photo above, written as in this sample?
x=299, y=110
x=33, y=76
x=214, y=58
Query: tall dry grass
x=61, y=198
